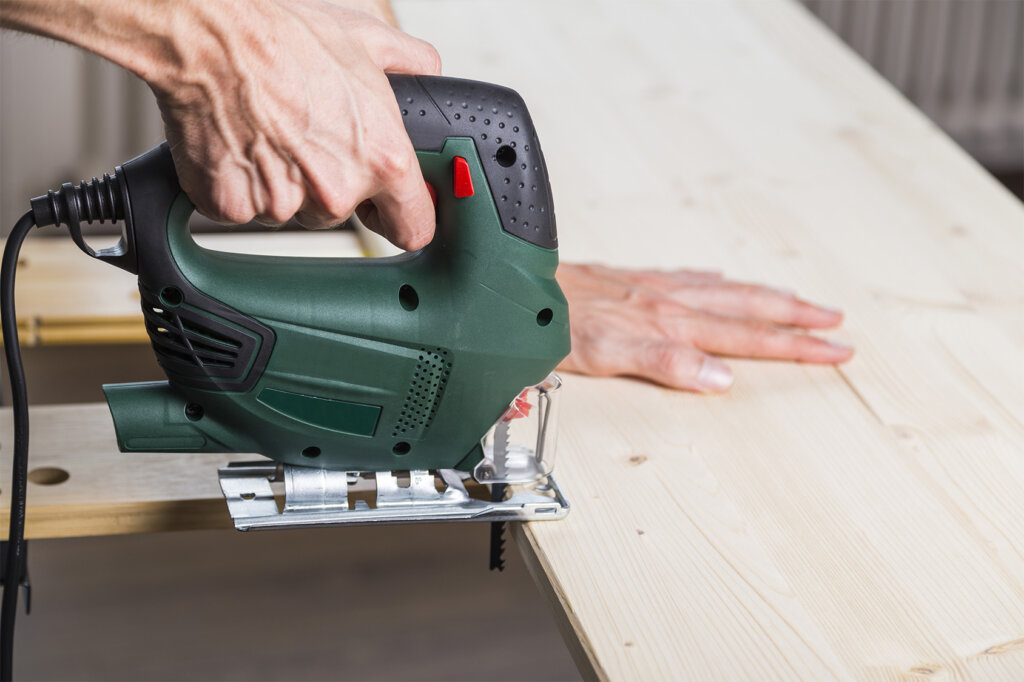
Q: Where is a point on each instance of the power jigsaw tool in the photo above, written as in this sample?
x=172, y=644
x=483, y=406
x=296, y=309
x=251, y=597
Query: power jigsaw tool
x=341, y=372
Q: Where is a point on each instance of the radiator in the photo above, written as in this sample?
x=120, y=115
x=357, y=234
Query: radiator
x=959, y=61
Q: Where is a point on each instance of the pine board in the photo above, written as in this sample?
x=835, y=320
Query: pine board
x=865, y=522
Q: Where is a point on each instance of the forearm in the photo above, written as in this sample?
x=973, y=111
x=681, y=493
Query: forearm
x=273, y=108
x=139, y=36
x=158, y=40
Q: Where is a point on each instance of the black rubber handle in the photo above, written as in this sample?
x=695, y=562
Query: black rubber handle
x=435, y=108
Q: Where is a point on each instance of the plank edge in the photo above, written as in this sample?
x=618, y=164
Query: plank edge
x=576, y=640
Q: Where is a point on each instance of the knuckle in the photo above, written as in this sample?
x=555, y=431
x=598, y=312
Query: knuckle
x=664, y=359
x=599, y=355
x=235, y=213
x=431, y=59
x=663, y=307
x=275, y=215
x=668, y=328
x=803, y=347
x=225, y=198
x=792, y=311
x=767, y=340
x=635, y=298
x=409, y=239
x=283, y=208
x=393, y=162
x=336, y=204
x=406, y=243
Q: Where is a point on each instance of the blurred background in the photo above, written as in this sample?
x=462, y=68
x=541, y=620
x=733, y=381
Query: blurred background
x=316, y=604
x=69, y=115
x=961, y=62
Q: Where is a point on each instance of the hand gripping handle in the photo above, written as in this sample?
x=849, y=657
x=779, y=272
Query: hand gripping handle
x=434, y=109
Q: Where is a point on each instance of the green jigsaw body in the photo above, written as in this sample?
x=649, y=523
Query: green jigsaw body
x=346, y=363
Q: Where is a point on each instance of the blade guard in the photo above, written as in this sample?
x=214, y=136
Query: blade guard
x=357, y=364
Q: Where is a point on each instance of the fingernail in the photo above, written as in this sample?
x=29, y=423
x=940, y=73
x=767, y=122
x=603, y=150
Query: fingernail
x=839, y=345
x=714, y=375
x=788, y=293
x=829, y=309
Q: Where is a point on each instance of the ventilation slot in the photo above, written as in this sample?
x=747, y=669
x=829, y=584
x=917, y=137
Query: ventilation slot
x=425, y=391
x=185, y=342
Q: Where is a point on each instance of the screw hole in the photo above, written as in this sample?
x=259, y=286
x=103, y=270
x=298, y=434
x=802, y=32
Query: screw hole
x=248, y=496
x=194, y=411
x=408, y=297
x=544, y=317
x=505, y=156
x=311, y=452
x=401, y=448
x=171, y=296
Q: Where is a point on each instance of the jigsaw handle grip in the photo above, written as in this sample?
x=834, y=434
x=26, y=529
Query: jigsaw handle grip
x=436, y=108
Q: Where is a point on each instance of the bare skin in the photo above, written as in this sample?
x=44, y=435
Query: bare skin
x=281, y=108
x=273, y=108
x=664, y=326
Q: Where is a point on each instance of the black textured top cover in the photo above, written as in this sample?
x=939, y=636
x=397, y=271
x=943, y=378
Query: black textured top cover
x=435, y=108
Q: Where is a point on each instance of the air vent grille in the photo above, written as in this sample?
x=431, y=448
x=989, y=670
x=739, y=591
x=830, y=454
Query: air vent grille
x=425, y=391
x=194, y=346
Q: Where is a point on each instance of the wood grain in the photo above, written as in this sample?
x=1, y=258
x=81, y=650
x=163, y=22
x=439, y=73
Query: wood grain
x=108, y=492
x=865, y=522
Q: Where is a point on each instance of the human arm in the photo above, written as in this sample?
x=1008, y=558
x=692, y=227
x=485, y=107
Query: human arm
x=272, y=108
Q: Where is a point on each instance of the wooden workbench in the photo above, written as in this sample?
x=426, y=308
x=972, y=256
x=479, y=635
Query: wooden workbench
x=863, y=522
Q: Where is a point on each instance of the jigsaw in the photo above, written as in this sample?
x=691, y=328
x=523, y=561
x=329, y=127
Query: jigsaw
x=425, y=378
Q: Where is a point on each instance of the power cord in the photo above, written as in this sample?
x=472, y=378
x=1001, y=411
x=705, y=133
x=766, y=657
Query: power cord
x=97, y=200
x=19, y=400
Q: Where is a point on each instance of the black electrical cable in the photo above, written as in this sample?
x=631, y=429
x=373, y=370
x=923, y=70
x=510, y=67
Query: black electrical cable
x=19, y=402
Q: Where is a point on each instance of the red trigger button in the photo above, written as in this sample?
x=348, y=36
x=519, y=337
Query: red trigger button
x=462, y=179
x=432, y=193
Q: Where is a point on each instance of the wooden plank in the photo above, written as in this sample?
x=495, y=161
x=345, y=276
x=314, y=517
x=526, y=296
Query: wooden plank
x=92, y=332
x=107, y=492
x=859, y=523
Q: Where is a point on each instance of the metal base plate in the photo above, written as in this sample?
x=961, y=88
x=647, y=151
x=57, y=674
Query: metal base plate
x=317, y=497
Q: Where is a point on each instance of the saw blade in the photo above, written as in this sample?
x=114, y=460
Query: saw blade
x=497, y=558
x=500, y=457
